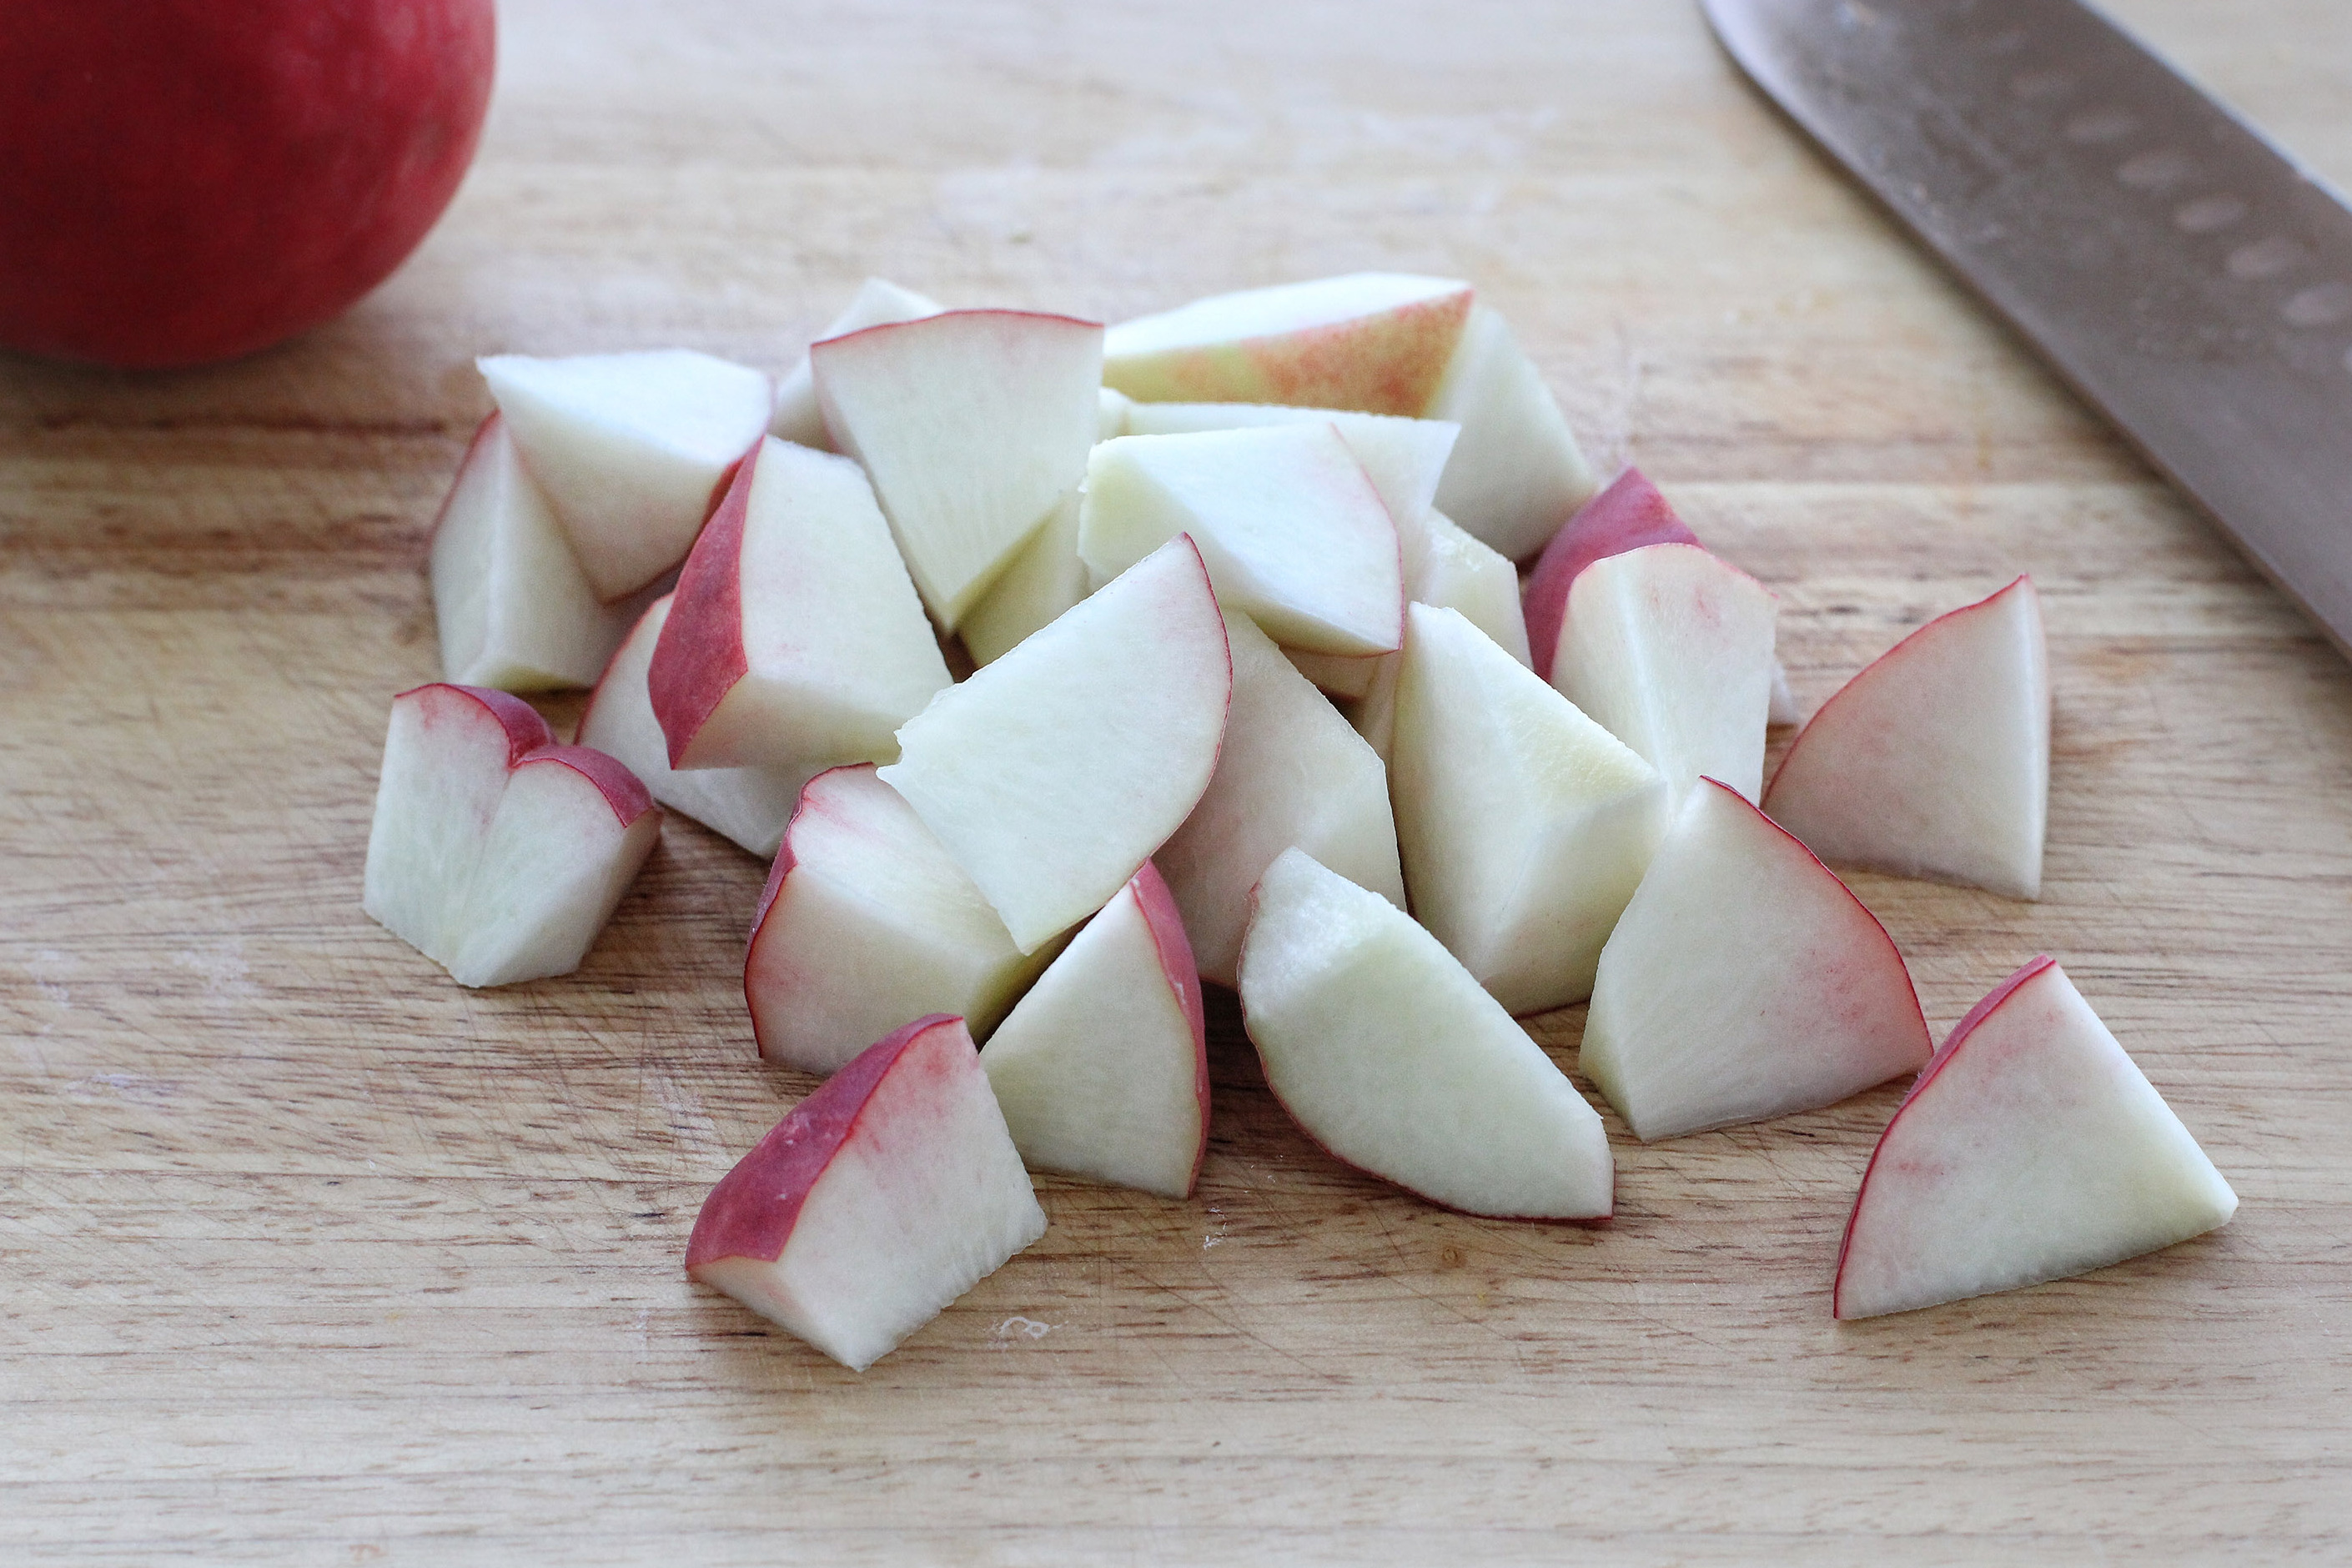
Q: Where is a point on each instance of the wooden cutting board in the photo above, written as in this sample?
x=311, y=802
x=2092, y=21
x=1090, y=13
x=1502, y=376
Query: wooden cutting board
x=308, y=1256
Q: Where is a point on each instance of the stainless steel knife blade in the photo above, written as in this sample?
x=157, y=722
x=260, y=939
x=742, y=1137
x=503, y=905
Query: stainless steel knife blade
x=2185, y=274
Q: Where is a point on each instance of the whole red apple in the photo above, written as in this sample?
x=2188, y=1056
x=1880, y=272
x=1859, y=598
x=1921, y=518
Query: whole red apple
x=183, y=181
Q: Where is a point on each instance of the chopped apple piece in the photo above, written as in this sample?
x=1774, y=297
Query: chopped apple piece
x=495, y=852
x=795, y=638
x=885, y=1196
x=1451, y=572
x=1348, y=677
x=633, y=449
x=512, y=606
x=1294, y=534
x=1113, y=406
x=749, y=806
x=1291, y=773
x=1051, y=776
x=864, y=924
x=1670, y=649
x=1935, y=761
x=1377, y=342
x=1627, y=514
x=1517, y=469
x=1045, y=579
x=799, y=417
x=1103, y=1068
x=1523, y=825
x=1744, y=982
x=1390, y=1056
x=2031, y=1148
x=973, y=425
x=1404, y=458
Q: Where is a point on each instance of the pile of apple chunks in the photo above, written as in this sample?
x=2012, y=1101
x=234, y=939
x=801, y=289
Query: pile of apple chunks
x=1255, y=674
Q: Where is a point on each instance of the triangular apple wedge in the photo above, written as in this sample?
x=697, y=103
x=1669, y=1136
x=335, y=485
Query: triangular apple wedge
x=1626, y=514
x=1103, y=1068
x=1294, y=533
x=1523, y=825
x=1291, y=773
x=1390, y=1056
x=879, y=303
x=1744, y=982
x=1404, y=458
x=866, y=922
x=749, y=806
x=1670, y=649
x=794, y=638
x=971, y=424
x=512, y=607
x=1935, y=761
x=1452, y=572
x=1377, y=342
x=2031, y=1148
x=885, y=1196
x=631, y=448
x=1517, y=469
x=495, y=852
x=1053, y=773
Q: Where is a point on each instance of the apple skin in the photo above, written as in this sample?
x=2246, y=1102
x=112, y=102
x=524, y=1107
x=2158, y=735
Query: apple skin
x=183, y=182
x=1627, y=514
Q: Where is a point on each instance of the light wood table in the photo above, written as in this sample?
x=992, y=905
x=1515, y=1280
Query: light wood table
x=308, y=1256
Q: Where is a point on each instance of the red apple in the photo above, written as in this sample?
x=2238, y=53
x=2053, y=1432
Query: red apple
x=183, y=182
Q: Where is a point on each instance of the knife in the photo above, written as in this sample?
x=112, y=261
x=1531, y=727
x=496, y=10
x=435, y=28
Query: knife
x=2179, y=270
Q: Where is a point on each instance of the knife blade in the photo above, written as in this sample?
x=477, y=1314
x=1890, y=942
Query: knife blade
x=2183, y=274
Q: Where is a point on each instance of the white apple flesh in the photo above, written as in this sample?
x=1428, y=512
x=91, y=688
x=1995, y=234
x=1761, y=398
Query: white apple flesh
x=1291, y=773
x=1294, y=533
x=879, y=303
x=1375, y=341
x=512, y=607
x=1042, y=581
x=1523, y=825
x=866, y=922
x=1670, y=649
x=971, y=424
x=1390, y=1056
x=1103, y=1069
x=2031, y=1148
x=749, y=805
x=796, y=639
x=1452, y=572
x=1053, y=773
x=495, y=852
x=1934, y=761
x=885, y=1196
x=633, y=449
x=1516, y=470
x=1744, y=982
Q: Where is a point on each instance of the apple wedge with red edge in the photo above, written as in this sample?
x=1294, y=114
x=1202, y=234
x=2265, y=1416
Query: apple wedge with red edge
x=512, y=607
x=1102, y=1070
x=1393, y=1058
x=1627, y=513
x=495, y=852
x=864, y=924
x=1744, y=982
x=879, y=303
x=631, y=449
x=1294, y=533
x=1935, y=760
x=881, y=1198
x=1523, y=825
x=2032, y=1148
x=795, y=638
x=1291, y=773
x=1375, y=341
x=1517, y=469
x=971, y=424
x=1052, y=774
x=749, y=806
x=1670, y=648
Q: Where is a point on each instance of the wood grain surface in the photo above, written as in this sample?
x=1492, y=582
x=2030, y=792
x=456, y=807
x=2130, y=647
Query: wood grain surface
x=308, y=1256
